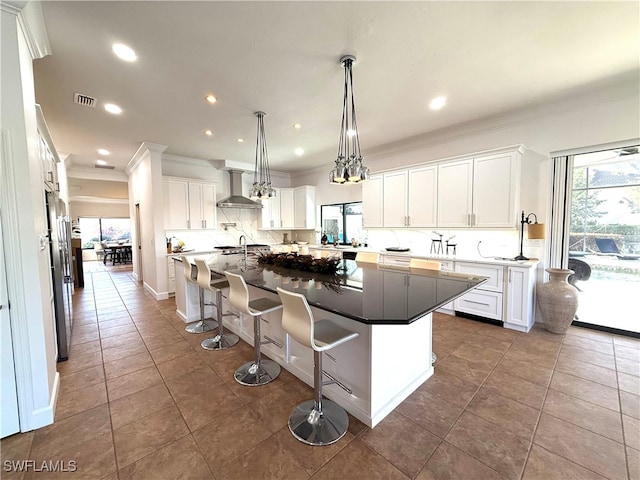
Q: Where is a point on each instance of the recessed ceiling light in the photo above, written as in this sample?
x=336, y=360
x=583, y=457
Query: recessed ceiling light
x=103, y=151
x=241, y=140
x=299, y=151
x=437, y=103
x=101, y=162
x=211, y=99
x=208, y=132
x=124, y=52
x=112, y=108
x=297, y=126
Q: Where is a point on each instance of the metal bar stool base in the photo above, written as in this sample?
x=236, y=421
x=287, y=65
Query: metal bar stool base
x=315, y=428
x=220, y=342
x=201, y=326
x=251, y=375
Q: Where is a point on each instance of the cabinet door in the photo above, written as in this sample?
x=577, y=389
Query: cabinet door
x=372, y=202
x=394, y=206
x=196, y=221
x=176, y=204
x=520, y=305
x=454, y=194
x=209, y=213
x=495, y=188
x=395, y=294
x=422, y=199
x=304, y=207
x=286, y=208
x=265, y=221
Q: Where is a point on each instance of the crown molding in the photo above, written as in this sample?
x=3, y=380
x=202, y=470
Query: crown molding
x=32, y=24
x=143, y=151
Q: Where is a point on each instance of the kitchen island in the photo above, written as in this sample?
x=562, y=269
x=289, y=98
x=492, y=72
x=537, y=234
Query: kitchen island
x=390, y=308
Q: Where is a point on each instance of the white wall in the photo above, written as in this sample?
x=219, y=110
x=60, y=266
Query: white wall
x=24, y=224
x=99, y=209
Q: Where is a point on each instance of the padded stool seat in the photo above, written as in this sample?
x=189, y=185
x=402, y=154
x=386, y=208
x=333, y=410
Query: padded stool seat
x=258, y=371
x=222, y=340
x=318, y=421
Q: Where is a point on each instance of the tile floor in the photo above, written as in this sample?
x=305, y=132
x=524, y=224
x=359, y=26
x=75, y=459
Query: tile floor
x=140, y=399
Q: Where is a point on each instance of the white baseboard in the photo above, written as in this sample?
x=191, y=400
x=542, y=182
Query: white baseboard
x=156, y=295
x=45, y=416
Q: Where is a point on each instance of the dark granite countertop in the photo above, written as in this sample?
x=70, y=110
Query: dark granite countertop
x=369, y=294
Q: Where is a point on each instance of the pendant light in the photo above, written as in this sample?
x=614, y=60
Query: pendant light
x=261, y=188
x=349, y=167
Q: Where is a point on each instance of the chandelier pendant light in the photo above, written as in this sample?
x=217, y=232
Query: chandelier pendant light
x=261, y=188
x=349, y=167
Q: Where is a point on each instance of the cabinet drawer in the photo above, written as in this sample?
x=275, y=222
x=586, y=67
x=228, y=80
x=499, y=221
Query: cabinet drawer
x=481, y=303
x=446, y=265
x=494, y=273
x=395, y=260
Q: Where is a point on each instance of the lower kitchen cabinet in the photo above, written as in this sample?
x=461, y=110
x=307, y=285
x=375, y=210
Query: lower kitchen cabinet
x=520, y=298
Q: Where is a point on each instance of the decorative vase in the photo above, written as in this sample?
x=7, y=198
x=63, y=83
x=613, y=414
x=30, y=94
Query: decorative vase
x=558, y=300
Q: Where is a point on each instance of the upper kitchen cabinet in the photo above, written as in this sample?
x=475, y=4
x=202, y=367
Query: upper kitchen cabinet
x=48, y=155
x=292, y=208
x=410, y=198
x=372, y=202
x=479, y=192
x=304, y=203
x=189, y=205
x=394, y=203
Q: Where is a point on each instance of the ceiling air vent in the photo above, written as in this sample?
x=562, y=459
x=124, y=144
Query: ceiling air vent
x=108, y=167
x=84, y=100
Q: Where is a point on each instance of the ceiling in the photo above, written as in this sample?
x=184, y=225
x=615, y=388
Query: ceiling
x=487, y=58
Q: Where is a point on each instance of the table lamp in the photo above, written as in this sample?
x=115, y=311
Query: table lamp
x=535, y=231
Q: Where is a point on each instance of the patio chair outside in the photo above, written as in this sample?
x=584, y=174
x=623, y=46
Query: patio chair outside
x=607, y=246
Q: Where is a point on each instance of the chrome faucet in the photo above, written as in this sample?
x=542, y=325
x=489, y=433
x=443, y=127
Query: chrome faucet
x=244, y=246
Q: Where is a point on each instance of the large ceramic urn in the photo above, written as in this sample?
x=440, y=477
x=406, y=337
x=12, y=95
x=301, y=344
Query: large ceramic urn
x=558, y=300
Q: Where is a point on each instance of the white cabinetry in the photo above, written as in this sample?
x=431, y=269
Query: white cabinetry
x=479, y=192
x=394, y=204
x=171, y=269
x=486, y=300
x=48, y=156
x=454, y=194
x=304, y=202
x=520, y=298
x=372, y=201
x=409, y=198
x=422, y=197
x=292, y=208
x=189, y=204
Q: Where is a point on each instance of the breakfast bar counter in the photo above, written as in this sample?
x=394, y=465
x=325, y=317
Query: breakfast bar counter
x=390, y=308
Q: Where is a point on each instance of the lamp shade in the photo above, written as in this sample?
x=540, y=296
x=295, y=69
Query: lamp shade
x=535, y=231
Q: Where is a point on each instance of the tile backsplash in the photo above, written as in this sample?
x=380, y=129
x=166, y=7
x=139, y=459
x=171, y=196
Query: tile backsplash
x=246, y=223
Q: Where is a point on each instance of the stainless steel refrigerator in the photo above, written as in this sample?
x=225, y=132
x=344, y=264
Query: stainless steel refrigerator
x=59, y=230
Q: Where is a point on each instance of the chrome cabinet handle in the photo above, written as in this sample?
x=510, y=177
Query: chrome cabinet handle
x=188, y=223
x=478, y=303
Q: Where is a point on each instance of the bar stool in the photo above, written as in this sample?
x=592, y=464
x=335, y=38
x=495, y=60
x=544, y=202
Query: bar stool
x=422, y=264
x=221, y=340
x=317, y=421
x=257, y=372
x=202, y=325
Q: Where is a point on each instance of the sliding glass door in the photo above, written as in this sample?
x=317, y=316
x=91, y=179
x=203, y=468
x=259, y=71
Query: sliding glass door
x=604, y=238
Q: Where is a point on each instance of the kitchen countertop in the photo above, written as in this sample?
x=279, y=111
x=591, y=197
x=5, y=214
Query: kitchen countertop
x=421, y=254
x=374, y=295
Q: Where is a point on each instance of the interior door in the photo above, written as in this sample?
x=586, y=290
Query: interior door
x=9, y=423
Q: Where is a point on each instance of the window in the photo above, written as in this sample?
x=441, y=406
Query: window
x=342, y=222
x=104, y=229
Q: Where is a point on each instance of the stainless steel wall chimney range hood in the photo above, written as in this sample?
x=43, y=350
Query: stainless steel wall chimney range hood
x=236, y=200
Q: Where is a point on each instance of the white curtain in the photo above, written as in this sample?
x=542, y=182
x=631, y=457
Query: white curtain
x=558, y=254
